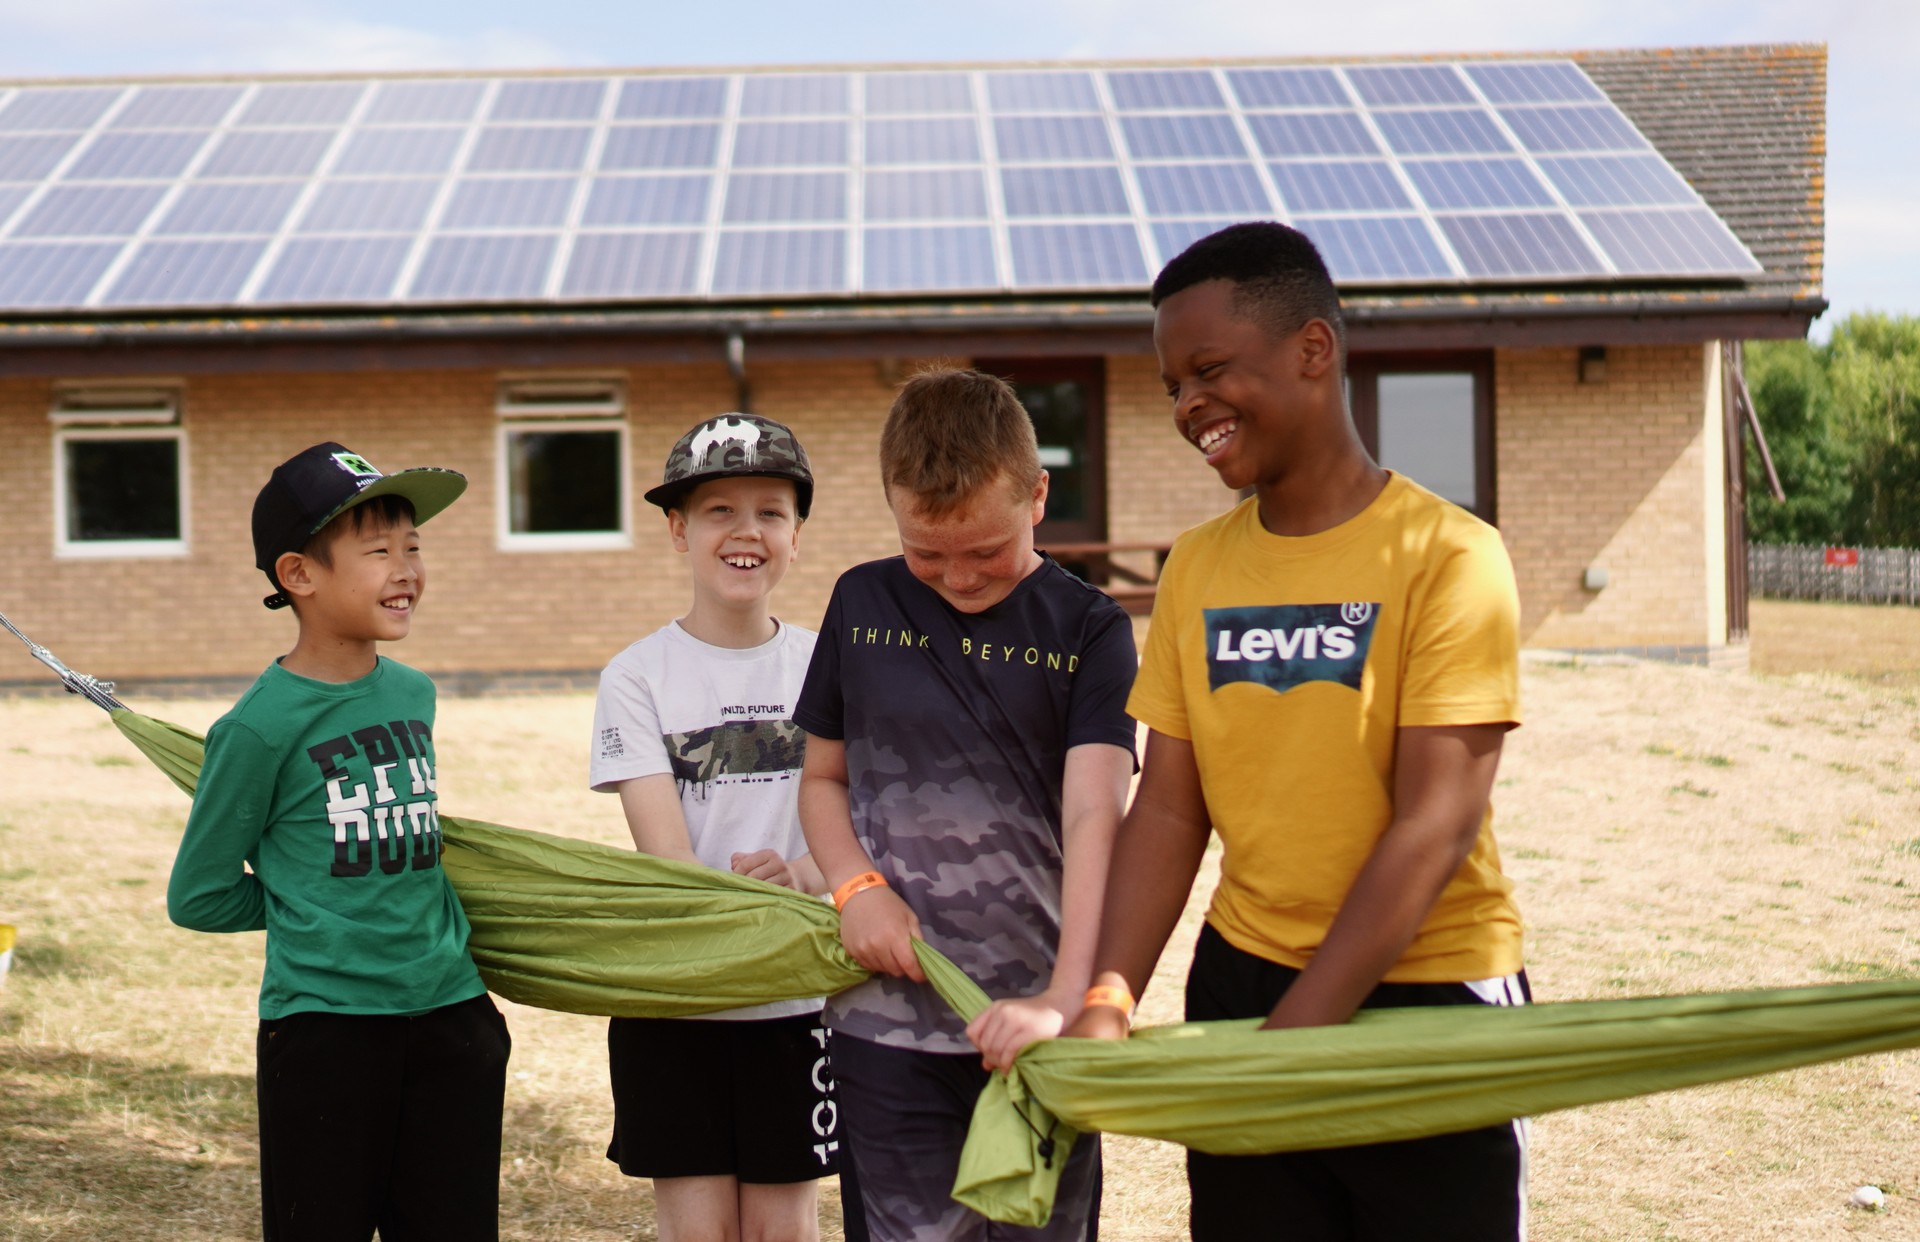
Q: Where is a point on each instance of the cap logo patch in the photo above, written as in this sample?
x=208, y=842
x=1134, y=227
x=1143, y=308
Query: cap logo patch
x=358, y=466
x=724, y=431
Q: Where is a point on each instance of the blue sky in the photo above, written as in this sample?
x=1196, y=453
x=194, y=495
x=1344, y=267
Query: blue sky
x=1873, y=170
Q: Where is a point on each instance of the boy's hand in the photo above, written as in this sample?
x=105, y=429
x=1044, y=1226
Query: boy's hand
x=879, y=929
x=765, y=865
x=1098, y=1022
x=1004, y=1028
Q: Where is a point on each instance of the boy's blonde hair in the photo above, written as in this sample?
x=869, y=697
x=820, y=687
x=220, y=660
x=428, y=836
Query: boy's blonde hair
x=952, y=432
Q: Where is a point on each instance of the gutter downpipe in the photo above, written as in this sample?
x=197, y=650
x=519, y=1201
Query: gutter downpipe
x=737, y=368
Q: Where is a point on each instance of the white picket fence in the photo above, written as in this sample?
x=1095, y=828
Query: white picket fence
x=1797, y=571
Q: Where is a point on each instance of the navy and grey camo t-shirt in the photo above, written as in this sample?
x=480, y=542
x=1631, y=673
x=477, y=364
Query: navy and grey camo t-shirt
x=957, y=727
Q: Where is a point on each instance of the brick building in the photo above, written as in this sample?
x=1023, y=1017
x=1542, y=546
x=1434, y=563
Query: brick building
x=1594, y=416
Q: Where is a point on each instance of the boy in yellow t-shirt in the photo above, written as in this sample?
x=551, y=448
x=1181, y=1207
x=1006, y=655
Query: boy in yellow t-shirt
x=1330, y=674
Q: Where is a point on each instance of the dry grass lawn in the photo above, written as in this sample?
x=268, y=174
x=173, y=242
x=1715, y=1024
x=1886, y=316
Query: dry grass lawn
x=1670, y=830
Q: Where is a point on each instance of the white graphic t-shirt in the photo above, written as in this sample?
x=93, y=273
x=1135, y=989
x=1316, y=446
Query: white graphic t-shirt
x=719, y=720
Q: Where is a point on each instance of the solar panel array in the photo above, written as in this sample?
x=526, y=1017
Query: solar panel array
x=781, y=185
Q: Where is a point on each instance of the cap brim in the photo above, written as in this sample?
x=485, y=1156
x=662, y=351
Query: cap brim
x=429, y=488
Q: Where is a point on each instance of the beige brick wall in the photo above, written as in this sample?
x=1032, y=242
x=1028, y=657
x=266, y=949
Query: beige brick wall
x=1618, y=474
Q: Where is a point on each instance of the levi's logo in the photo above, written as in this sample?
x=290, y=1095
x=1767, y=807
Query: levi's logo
x=1281, y=646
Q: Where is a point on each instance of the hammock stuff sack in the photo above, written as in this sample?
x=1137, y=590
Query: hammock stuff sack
x=589, y=929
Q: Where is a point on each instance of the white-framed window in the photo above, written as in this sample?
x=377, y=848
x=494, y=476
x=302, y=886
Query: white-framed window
x=119, y=472
x=562, y=454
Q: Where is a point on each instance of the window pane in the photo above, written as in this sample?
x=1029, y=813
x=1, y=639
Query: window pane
x=564, y=482
x=1059, y=413
x=1427, y=432
x=123, y=489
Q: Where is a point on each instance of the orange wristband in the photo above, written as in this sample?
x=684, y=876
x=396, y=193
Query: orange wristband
x=858, y=884
x=1118, y=998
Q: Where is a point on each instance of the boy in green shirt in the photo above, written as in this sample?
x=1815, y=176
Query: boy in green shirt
x=381, y=1061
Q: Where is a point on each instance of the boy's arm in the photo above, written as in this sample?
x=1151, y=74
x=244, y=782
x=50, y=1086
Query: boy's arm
x=654, y=817
x=1092, y=797
x=1156, y=856
x=876, y=926
x=1443, y=776
x=210, y=888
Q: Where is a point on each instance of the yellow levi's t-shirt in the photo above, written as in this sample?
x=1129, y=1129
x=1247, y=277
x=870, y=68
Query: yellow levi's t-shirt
x=1290, y=663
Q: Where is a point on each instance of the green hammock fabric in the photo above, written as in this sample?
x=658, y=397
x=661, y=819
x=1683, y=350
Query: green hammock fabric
x=585, y=928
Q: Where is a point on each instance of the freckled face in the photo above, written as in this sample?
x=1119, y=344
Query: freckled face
x=974, y=556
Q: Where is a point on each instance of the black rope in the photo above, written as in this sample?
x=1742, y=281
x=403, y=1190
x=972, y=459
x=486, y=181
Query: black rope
x=1046, y=1147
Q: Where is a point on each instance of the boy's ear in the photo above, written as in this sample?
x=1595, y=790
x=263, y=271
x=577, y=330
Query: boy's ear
x=295, y=571
x=1319, y=349
x=1040, y=498
x=677, y=528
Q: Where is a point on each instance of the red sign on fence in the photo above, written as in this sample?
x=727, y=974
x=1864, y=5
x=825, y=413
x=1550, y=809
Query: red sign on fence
x=1843, y=557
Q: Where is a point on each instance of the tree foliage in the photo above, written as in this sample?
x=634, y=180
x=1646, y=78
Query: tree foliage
x=1843, y=422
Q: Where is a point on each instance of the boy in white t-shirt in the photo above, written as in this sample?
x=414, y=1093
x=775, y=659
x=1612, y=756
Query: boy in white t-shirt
x=733, y=1118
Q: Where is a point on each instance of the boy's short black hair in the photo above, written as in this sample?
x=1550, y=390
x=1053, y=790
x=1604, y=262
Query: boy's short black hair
x=379, y=512
x=1280, y=281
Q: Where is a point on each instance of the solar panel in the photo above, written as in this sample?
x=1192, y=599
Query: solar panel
x=926, y=194
x=647, y=186
x=1534, y=244
x=267, y=153
x=424, y=102
x=1022, y=139
x=1192, y=136
x=303, y=103
x=1042, y=92
x=1664, y=243
x=660, y=146
x=370, y=206
x=1585, y=128
x=36, y=274
x=1437, y=133
x=1076, y=255
x=1377, y=248
x=567, y=99
x=484, y=267
x=90, y=211
x=766, y=144
x=1312, y=133
x=928, y=258
x=934, y=140
x=1081, y=190
x=787, y=261
x=243, y=209
x=117, y=156
x=73, y=108
x=177, y=107
x=635, y=265
x=800, y=196
x=918, y=93
x=184, y=273
x=1536, y=82
x=1455, y=185
x=1616, y=180
x=399, y=151
x=30, y=157
x=509, y=203
x=1288, y=88
x=1203, y=190
x=679, y=199
x=335, y=269
x=530, y=148
x=798, y=94
x=1344, y=185
x=1143, y=89
x=668, y=98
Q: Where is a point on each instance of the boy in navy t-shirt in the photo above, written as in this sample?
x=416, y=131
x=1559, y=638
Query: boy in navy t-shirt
x=967, y=763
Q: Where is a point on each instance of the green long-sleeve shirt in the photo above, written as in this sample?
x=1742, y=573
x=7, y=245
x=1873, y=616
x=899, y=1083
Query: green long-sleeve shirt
x=327, y=791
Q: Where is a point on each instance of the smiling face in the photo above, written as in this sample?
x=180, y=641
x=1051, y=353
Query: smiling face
x=974, y=555
x=362, y=584
x=739, y=534
x=1252, y=403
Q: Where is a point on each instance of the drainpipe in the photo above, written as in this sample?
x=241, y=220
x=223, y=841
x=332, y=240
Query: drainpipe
x=737, y=367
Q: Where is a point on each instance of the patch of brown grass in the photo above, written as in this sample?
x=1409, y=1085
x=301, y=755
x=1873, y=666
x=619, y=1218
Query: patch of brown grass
x=1669, y=829
x=1876, y=643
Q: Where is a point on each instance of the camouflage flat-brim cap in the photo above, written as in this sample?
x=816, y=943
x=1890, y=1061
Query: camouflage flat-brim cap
x=735, y=444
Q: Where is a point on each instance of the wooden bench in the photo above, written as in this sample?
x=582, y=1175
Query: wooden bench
x=1131, y=588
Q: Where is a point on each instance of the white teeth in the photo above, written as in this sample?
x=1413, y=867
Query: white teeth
x=1214, y=436
x=742, y=561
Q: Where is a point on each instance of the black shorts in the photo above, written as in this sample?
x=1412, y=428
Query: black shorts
x=382, y=1121
x=1466, y=1187
x=752, y=1100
